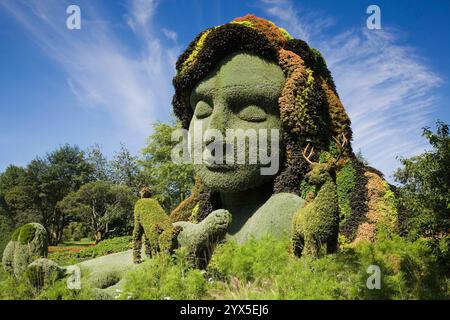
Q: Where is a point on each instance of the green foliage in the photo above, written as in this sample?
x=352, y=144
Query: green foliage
x=32, y=193
x=307, y=188
x=253, y=260
x=101, y=167
x=199, y=240
x=150, y=213
x=263, y=270
x=388, y=205
x=32, y=244
x=15, y=235
x=8, y=256
x=12, y=288
x=103, y=280
x=107, y=207
x=26, y=234
x=317, y=222
x=170, y=182
x=5, y=226
x=126, y=170
x=76, y=231
x=152, y=223
x=345, y=181
x=320, y=67
x=104, y=247
x=425, y=190
x=164, y=278
x=43, y=272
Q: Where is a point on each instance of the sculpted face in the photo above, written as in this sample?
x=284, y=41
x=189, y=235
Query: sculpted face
x=241, y=93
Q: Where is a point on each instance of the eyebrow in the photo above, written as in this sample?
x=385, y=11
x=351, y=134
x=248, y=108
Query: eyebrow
x=202, y=91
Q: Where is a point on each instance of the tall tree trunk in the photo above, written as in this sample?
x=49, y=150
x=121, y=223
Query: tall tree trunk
x=98, y=237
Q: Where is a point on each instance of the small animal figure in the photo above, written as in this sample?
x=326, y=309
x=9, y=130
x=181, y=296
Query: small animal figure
x=152, y=224
x=317, y=222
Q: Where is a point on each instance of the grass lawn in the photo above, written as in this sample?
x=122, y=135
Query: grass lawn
x=71, y=246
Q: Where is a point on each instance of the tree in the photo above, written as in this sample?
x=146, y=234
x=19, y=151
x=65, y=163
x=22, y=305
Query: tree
x=13, y=176
x=126, y=169
x=425, y=189
x=62, y=171
x=5, y=225
x=106, y=207
x=100, y=164
x=32, y=194
x=17, y=195
x=171, y=182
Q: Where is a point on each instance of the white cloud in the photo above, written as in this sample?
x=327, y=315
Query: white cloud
x=299, y=23
x=103, y=71
x=387, y=88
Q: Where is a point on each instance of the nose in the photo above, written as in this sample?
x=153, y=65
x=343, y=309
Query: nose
x=219, y=118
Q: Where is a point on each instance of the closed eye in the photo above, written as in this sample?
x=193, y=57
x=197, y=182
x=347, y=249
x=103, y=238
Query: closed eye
x=252, y=113
x=202, y=110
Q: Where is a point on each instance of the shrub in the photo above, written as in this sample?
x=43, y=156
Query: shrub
x=8, y=256
x=32, y=244
x=165, y=278
x=28, y=242
x=262, y=270
x=12, y=288
x=43, y=272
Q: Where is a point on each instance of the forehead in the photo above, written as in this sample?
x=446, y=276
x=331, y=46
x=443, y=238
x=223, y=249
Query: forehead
x=243, y=72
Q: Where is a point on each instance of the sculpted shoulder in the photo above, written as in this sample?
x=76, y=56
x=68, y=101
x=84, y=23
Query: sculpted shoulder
x=273, y=218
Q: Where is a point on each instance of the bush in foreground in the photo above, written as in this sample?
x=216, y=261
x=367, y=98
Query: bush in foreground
x=263, y=269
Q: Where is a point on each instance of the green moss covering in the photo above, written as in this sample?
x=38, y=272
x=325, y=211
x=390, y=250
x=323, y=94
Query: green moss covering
x=15, y=235
x=389, y=203
x=358, y=203
x=29, y=249
x=199, y=240
x=309, y=112
x=26, y=234
x=8, y=257
x=317, y=222
x=30, y=242
x=320, y=68
x=307, y=190
x=345, y=180
x=43, y=272
x=152, y=223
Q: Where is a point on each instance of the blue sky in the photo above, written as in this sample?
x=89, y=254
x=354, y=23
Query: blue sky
x=108, y=82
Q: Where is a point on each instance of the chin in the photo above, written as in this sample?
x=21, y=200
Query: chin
x=231, y=180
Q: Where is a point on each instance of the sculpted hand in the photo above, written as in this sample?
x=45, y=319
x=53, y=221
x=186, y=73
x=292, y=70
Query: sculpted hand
x=200, y=239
